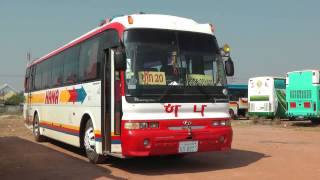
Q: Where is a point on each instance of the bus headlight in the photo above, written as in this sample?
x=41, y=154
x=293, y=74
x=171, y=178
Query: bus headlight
x=217, y=123
x=225, y=92
x=154, y=125
x=131, y=125
x=141, y=125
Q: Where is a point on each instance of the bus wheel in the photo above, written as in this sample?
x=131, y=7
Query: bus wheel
x=90, y=144
x=36, y=130
x=315, y=121
x=292, y=118
x=232, y=115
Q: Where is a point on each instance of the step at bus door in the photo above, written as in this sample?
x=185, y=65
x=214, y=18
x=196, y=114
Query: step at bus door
x=111, y=105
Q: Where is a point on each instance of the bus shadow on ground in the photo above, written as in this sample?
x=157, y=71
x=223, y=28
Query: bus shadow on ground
x=304, y=124
x=23, y=159
x=202, y=162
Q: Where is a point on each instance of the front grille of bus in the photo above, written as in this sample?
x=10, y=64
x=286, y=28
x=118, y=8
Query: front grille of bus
x=300, y=94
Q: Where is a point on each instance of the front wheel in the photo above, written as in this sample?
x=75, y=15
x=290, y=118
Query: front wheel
x=90, y=144
x=232, y=115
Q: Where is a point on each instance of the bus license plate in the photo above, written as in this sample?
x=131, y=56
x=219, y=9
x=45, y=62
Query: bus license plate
x=188, y=146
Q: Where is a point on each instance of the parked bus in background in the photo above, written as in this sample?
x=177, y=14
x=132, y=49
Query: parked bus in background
x=137, y=85
x=238, y=100
x=303, y=95
x=267, y=97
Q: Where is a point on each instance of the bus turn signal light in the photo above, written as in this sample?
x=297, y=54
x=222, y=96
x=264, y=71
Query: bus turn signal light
x=216, y=123
x=130, y=20
x=212, y=28
x=226, y=48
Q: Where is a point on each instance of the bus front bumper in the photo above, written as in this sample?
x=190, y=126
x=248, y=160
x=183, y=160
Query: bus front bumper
x=166, y=142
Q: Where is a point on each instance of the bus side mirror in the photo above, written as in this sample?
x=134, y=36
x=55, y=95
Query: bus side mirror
x=229, y=67
x=120, y=60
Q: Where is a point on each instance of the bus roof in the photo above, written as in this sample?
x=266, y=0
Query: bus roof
x=121, y=23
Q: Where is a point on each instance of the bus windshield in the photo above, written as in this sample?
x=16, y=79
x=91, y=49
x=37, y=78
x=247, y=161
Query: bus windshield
x=166, y=63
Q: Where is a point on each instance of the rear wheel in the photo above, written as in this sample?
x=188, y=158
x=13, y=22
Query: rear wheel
x=292, y=118
x=315, y=120
x=36, y=130
x=90, y=144
x=232, y=115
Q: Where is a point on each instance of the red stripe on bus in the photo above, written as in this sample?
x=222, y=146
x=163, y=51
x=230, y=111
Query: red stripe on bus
x=59, y=128
x=118, y=26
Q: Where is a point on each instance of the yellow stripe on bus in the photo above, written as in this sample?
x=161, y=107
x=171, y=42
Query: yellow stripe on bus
x=38, y=98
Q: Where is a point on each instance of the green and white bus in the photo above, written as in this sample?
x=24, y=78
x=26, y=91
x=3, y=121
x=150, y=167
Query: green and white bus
x=266, y=97
x=303, y=89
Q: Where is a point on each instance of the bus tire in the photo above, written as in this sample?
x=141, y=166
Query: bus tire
x=315, y=121
x=232, y=115
x=36, y=130
x=89, y=144
x=292, y=118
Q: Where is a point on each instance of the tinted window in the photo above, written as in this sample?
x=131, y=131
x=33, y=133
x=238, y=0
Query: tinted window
x=27, y=80
x=71, y=65
x=46, y=68
x=57, y=73
x=37, y=84
x=279, y=83
x=89, y=60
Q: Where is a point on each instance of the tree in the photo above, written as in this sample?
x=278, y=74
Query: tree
x=15, y=99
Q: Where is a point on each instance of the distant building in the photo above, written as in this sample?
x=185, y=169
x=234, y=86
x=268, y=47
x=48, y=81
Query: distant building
x=6, y=91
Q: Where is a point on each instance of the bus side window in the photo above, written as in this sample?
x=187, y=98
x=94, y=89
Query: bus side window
x=57, y=73
x=71, y=65
x=27, y=80
x=88, y=66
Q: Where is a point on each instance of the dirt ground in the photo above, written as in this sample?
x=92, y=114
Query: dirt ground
x=284, y=150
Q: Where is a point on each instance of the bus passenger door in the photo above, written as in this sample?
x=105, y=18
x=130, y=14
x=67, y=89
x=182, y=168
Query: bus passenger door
x=111, y=106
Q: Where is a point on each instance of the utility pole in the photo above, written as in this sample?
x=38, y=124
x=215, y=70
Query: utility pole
x=28, y=58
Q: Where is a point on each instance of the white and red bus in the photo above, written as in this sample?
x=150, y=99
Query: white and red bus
x=137, y=85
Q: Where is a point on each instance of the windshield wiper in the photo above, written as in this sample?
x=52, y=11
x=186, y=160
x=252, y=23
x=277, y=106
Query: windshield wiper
x=207, y=95
x=165, y=93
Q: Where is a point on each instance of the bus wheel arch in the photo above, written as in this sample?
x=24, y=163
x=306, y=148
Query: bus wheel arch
x=85, y=142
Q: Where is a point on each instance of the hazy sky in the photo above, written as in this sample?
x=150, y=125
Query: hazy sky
x=269, y=37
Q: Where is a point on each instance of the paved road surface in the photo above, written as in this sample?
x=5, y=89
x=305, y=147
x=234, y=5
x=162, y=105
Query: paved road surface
x=259, y=152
